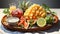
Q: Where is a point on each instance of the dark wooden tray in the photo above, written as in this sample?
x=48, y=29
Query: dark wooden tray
x=35, y=29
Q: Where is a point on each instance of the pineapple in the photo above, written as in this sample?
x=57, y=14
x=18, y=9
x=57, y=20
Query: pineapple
x=24, y=5
x=35, y=10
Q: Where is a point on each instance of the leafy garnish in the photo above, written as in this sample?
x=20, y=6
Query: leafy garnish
x=49, y=19
x=48, y=9
x=21, y=25
x=6, y=11
x=31, y=22
x=54, y=13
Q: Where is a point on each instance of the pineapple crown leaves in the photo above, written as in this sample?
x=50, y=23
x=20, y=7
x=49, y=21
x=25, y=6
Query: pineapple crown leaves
x=24, y=5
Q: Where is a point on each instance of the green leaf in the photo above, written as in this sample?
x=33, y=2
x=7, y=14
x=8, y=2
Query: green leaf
x=21, y=26
x=49, y=19
x=6, y=11
x=46, y=7
x=54, y=13
x=24, y=5
x=31, y=22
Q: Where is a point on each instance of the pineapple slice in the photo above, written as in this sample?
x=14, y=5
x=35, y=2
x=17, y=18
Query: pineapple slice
x=35, y=10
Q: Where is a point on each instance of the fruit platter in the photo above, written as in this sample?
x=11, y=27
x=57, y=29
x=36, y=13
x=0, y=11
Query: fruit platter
x=29, y=17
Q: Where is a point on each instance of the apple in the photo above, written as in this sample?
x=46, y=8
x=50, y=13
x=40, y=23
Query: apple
x=17, y=13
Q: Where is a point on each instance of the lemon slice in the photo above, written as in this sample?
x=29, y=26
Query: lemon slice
x=41, y=22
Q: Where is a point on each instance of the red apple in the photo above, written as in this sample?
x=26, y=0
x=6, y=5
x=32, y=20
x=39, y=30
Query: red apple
x=17, y=13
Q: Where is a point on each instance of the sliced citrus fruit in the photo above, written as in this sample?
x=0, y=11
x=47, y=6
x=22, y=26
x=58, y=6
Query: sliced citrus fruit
x=41, y=22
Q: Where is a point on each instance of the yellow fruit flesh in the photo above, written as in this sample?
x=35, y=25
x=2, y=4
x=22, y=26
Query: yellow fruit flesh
x=12, y=8
x=35, y=10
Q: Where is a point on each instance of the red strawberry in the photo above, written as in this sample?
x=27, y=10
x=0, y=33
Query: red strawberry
x=17, y=13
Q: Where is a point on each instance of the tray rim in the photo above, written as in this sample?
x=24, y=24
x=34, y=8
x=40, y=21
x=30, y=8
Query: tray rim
x=26, y=30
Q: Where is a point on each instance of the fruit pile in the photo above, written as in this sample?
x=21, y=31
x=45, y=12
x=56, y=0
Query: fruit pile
x=35, y=11
x=35, y=14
